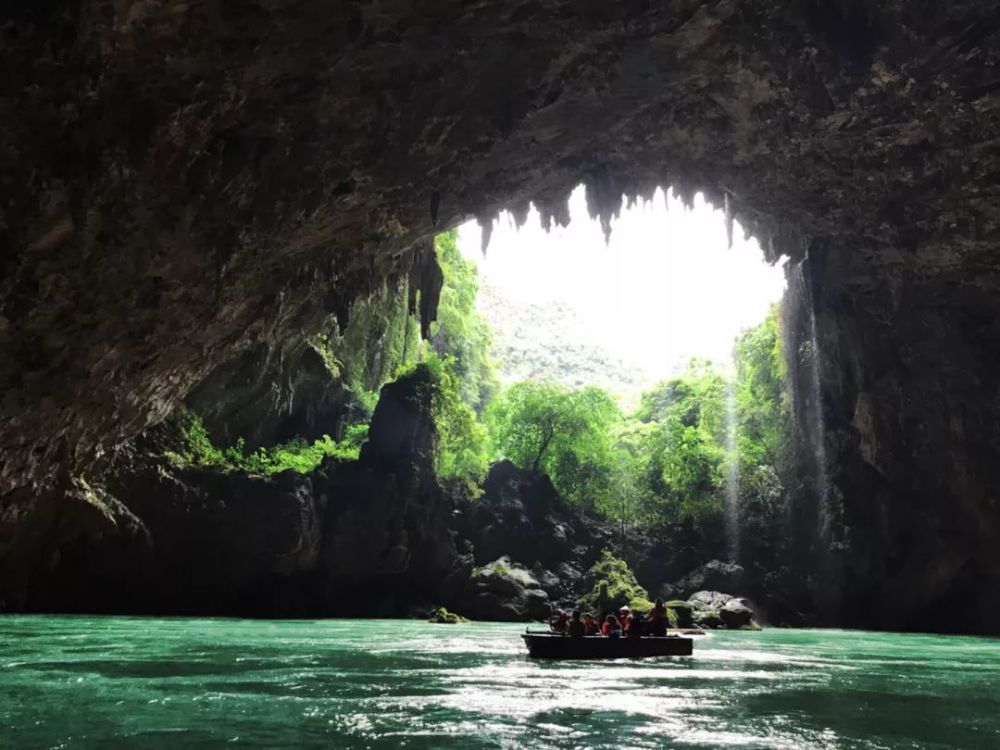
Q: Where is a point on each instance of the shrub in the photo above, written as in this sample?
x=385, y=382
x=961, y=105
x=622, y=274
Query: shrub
x=442, y=616
x=296, y=455
x=614, y=585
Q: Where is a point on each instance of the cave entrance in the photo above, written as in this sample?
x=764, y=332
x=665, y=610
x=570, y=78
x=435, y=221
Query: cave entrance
x=625, y=305
x=641, y=366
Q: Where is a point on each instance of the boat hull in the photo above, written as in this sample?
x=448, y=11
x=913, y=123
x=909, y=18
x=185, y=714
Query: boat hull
x=549, y=646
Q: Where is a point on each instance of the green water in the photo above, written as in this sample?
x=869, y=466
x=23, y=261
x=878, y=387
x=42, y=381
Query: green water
x=174, y=683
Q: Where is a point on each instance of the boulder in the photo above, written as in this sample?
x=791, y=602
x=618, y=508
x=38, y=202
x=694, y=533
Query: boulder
x=442, y=616
x=735, y=614
x=683, y=613
x=715, y=575
x=505, y=591
x=611, y=584
x=549, y=582
x=707, y=618
x=714, y=600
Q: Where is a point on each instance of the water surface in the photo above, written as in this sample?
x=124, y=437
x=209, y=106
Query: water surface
x=78, y=682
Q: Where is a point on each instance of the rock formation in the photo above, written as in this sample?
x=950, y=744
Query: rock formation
x=355, y=537
x=181, y=182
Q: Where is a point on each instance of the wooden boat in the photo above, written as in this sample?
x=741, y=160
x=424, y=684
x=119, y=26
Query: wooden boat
x=556, y=646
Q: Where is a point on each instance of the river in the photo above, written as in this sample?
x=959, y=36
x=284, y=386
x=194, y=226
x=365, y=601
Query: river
x=95, y=682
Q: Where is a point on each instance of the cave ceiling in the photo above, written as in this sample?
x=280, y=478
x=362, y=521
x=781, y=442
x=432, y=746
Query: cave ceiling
x=181, y=180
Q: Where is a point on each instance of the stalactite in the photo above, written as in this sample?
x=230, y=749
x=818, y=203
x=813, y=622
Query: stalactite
x=729, y=219
x=520, y=213
x=486, y=225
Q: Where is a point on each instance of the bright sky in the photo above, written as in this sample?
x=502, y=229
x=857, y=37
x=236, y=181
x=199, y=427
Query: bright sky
x=667, y=287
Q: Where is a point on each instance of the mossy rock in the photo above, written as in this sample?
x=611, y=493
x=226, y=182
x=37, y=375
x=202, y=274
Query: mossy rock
x=707, y=618
x=442, y=616
x=614, y=585
x=680, y=614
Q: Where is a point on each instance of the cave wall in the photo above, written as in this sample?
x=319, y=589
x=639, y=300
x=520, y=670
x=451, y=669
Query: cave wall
x=372, y=536
x=180, y=182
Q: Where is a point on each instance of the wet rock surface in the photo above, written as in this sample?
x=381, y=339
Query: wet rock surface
x=183, y=182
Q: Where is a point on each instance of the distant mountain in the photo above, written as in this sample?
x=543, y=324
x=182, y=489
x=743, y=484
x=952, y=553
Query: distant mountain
x=543, y=342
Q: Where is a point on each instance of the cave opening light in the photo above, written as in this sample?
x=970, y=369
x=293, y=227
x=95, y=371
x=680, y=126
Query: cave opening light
x=666, y=286
x=627, y=303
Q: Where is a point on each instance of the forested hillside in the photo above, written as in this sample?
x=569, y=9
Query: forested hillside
x=547, y=342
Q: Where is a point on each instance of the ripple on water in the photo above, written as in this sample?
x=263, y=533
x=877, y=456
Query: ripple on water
x=127, y=682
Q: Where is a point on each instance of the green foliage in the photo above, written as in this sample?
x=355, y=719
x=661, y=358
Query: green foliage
x=564, y=432
x=767, y=470
x=379, y=338
x=613, y=585
x=684, y=420
x=460, y=333
x=196, y=446
x=673, y=454
x=662, y=466
x=461, y=436
x=442, y=616
x=295, y=455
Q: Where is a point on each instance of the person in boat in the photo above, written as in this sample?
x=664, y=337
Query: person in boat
x=559, y=622
x=656, y=620
x=591, y=625
x=636, y=627
x=625, y=617
x=611, y=628
x=576, y=628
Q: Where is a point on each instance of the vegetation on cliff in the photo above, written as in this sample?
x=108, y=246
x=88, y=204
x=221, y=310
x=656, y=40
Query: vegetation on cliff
x=295, y=455
x=460, y=332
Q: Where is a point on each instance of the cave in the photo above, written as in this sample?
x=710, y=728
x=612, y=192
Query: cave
x=185, y=185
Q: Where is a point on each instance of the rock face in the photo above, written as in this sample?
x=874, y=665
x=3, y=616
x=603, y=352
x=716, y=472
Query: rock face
x=182, y=182
x=504, y=591
x=521, y=516
x=365, y=537
x=387, y=540
x=271, y=395
x=715, y=574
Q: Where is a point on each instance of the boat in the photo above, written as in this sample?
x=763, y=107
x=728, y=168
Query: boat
x=558, y=646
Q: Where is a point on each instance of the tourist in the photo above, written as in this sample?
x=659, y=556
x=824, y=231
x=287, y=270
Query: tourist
x=636, y=628
x=591, y=625
x=559, y=622
x=625, y=616
x=611, y=628
x=576, y=627
x=657, y=620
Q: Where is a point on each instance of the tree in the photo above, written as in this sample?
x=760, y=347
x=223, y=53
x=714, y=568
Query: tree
x=566, y=433
x=683, y=443
x=461, y=436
